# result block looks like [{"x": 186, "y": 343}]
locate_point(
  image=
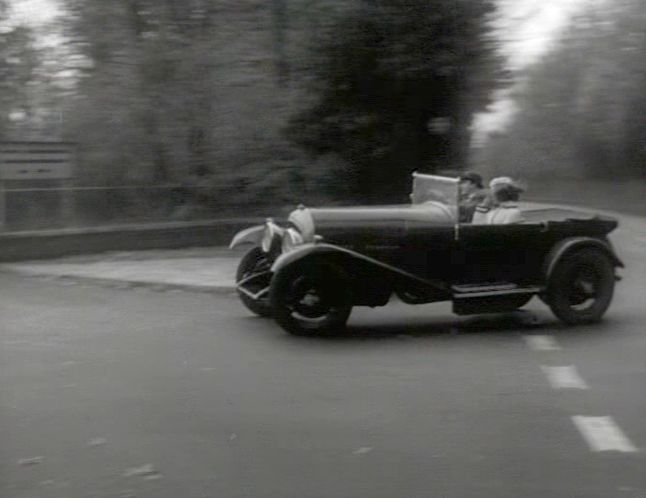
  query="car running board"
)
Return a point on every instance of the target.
[{"x": 489, "y": 290}]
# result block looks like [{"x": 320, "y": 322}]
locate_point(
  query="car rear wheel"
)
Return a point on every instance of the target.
[
  {"x": 311, "y": 299},
  {"x": 581, "y": 287},
  {"x": 255, "y": 263}
]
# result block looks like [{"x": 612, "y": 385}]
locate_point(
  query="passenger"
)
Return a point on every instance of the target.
[
  {"x": 482, "y": 210},
  {"x": 505, "y": 193},
  {"x": 471, "y": 195}
]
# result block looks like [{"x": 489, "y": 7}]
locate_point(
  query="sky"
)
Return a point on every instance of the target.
[
  {"x": 528, "y": 27},
  {"x": 35, "y": 12}
]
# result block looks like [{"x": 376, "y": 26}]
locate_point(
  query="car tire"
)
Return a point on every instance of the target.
[
  {"x": 254, "y": 261},
  {"x": 311, "y": 298},
  {"x": 581, "y": 287}
]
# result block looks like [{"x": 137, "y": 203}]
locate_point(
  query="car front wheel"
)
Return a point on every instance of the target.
[
  {"x": 581, "y": 287},
  {"x": 311, "y": 298}
]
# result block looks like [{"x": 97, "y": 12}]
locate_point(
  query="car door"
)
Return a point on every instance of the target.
[
  {"x": 427, "y": 249},
  {"x": 499, "y": 253}
]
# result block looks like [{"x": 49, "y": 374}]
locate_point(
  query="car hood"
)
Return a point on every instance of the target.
[
  {"x": 344, "y": 225},
  {"x": 432, "y": 212}
]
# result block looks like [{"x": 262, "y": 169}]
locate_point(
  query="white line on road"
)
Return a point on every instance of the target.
[
  {"x": 602, "y": 434},
  {"x": 542, "y": 342},
  {"x": 564, "y": 377}
]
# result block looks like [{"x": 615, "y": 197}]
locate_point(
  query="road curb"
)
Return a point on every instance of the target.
[{"x": 221, "y": 289}]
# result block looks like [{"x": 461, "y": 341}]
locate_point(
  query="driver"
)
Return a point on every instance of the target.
[{"x": 472, "y": 194}]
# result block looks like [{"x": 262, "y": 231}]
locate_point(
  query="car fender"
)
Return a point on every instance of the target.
[
  {"x": 252, "y": 235},
  {"x": 570, "y": 244},
  {"x": 314, "y": 249}
]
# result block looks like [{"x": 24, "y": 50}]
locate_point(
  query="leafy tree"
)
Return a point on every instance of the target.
[
  {"x": 141, "y": 102},
  {"x": 178, "y": 90},
  {"x": 17, "y": 63},
  {"x": 200, "y": 92},
  {"x": 397, "y": 83}
]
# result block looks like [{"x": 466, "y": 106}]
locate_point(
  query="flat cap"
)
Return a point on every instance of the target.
[{"x": 472, "y": 177}]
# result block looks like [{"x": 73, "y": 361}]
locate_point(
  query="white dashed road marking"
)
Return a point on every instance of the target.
[
  {"x": 542, "y": 342},
  {"x": 602, "y": 434},
  {"x": 564, "y": 377}
]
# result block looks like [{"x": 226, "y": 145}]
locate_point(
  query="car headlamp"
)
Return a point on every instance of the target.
[{"x": 291, "y": 239}]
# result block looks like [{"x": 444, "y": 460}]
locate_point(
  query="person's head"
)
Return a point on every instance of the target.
[
  {"x": 507, "y": 193},
  {"x": 505, "y": 189},
  {"x": 470, "y": 182}
]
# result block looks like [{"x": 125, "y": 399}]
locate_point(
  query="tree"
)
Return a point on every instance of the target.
[
  {"x": 582, "y": 110},
  {"x": 143, "y": 104},
  {"x": 397, "y": 85},
  {"x": 180, "y": 90},
  {"x": 17, "y": 64},
  {"x": 203, "y": 90}
]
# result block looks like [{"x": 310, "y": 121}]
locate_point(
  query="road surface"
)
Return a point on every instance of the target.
[{"x": 137, "y": 392}]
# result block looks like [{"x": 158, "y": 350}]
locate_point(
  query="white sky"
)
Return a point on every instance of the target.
[
  {"x": 528, "y": 27},
  {"x": 34, "y": 11}
]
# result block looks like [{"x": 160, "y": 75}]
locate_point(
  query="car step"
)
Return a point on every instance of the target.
[{"x": 466, "y": 291}]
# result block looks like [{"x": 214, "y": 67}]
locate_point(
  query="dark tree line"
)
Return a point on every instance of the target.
[
  {"x": 267, "y": 98},
  {"x": 396, "y": 88},
  {"x": 264, "y": 102},
  {"x": 272, "y": 102}
]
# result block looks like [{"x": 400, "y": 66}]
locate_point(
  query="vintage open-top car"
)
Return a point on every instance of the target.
[{"x": 309, "y": 272}]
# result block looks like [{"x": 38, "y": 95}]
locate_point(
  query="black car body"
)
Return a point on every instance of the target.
[{"x": 309, "y": 272}]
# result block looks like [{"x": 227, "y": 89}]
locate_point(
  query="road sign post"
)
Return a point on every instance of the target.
[
  {"x": 30, "y": 162},
  {"x": 67, "y": 202},
  {"x": 2, "y": 206}
]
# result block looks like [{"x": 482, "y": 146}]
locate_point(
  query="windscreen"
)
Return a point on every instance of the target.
[{"x": 440, "y": 189}]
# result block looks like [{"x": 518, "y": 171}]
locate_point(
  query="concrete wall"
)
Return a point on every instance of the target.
[{"x": 42, "y": 244}]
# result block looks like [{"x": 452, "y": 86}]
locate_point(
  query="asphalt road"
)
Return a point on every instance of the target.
[{"x": 118, "y": 392}]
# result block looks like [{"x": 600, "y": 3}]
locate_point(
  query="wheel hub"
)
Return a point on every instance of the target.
[
  {"x": 308, "y": 300},
  {"x": 584, "y": 290}
]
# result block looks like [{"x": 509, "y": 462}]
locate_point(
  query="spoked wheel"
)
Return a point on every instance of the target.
[
  {"x": 581, "y": 287},
  {"x": 311, "y": 299},
  {"x": 254, "y": 268}
]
